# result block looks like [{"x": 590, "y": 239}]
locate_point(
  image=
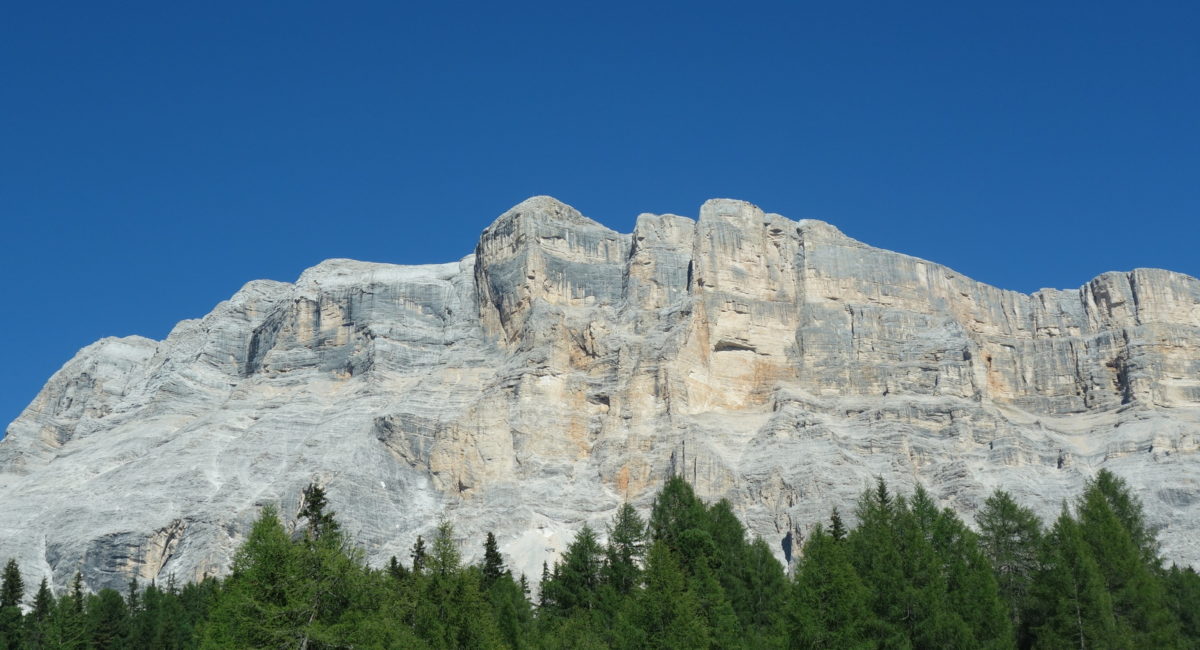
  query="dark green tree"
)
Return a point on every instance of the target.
[
  {"x": 625, "y": 551},
  {"x": 315, "y": 510},
  {"x": 1130, "y": 572},
  {"x": 667, "y": 612},
  {"x": 676, "y": 509},
  {"x": 37, "y": 621},
  {"x": 493, "y": 563},
  {"x": 1183, "y": 597},
  {"x": 575, "y": 583},
  {"x": 831, "y": 608},
  {"x": 837, "y": 529},
  {"x": 1069, "y": 606},
  {"x": 418, "y": 555},
  {"x": 108, "y": 620},
  {"x": 12, "y": 589},
  {"x": 1010, "y": 536}
]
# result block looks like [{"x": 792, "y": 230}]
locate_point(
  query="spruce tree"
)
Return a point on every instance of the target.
[
  {"x": 1069, "y": 605},
  {"x": 675, "y": 510},
  {"x": 1129, "y": 573},
  {"x": 830, "y": 605},
  {"x": 1010, "y": 536},
  {"x": 418, "y": 555},
  {"x": 667, "y": 612},
  {"x": 12, "y": 589},
  {"x": 1183, "y": 597},
  {"x": 577, "y": 577},
  {"x": 493, "y": 564},
  {"x": 625, "y": 551},
  {"x": 108, "y": 620},
  {"x": 315, "y": 512},
  {"x": 837, "y": 529},
  {"x": 12, "y": 586},
  {"x": 37, "y": 621}
]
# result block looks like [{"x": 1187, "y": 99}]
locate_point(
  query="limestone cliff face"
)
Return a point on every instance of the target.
[{"x": 564, "y": 367}]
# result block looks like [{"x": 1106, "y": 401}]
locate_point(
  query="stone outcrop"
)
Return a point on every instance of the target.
[{"x": 564, "y": 367}]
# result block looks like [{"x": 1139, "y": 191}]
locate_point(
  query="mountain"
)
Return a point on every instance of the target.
[{"x": 564, "y": 367}]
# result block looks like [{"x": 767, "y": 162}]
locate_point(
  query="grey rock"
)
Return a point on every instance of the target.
[{"x": 564, "y": 368}]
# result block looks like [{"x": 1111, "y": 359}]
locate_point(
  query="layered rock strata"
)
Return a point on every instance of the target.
[{"x": 564, "y": 367}]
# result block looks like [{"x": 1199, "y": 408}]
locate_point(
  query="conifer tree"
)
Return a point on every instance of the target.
[
  {"x": 108, "y": 620},
  {"x": 1069, "y": 605},
  {"x": 12, "y": 589},
  {"x": 830, "y": 606},
  {"x": 1138, "y": 595},
  {"x": 1183, "y": 597},
  {"x": 625, "y": 551},
  {"x": 837, "y": 529},
  {"x": 12, "y": 586},
  {"x": 444, "y": 557},
  {"x": 576, "y": 582},
  {"x": 418, "y": 555},
  {"x": 493, "y": 564},
  {"x": 1010, "y": 536},
  {"x": 37, "y": 621},
  {"x": 667, "y": 612},
  {"x": 315, "y": 512},
  {"x": 675, "y": 510},
  {"x": 396, "y": 569}
]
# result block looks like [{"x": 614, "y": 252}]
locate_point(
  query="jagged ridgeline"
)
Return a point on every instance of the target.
[
  {"x": 908, "y": 575},
  {"x": 565, "y": 368}
]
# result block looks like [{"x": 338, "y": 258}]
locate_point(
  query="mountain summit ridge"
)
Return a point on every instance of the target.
[{"x": 563, "y": 367}]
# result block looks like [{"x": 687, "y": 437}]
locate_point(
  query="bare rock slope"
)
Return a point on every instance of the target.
[{"x": 564, "y": 367}]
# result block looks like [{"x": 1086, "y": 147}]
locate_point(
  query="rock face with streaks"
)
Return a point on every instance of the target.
[{"x": 564, "y": 367}]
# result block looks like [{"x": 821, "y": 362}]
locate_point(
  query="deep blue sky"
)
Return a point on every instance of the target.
[{"x": 156, "y": 157}]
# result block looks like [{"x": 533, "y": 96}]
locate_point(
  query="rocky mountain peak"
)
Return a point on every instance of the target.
[{"x": 563, "y": 368}]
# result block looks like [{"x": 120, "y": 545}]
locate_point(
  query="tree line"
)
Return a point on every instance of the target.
[{"x": 907, "y": 575}]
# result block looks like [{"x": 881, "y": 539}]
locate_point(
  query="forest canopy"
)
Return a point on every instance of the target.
[{"x": 907, "y": 575}]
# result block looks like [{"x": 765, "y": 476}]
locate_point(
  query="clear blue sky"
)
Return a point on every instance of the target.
[{"x": 157, "y": 156}]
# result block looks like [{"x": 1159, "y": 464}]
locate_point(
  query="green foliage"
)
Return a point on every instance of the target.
[
  {"x": 1070, "y": 604},
  {"x": 626, "y": 550},
  {"x": 493, "y": 564},
  {"x": 668, "y": 614},
  {"x": 575, "y": 582},
  {"x": 1010, "y": 536},
  {"x": 831, "y": 607},
  {"x": 909, "y": 575},
  {"x": 12, "y": 588},
  {"x": 108, "y": 620}
]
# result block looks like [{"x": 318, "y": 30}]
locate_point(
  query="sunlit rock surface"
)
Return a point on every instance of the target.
[{"x": 564, "y": 367}]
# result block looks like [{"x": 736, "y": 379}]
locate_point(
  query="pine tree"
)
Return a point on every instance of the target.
[
  {"x": 1010, "y": 536},
  {"x": 108, "y": 620},
  {"x": 418, "y": 555},
  {"x": 493, "y": 564},
  {"x": 444, "y": 558},
  {"x": 577, "y": 577},
  {"x": 667, "y": 611},
  {"x": 875, "y": 551},
  {"x": 314, "y": 511},
  {"x": 625, "y": 551},
  {"x": 676, "y": 509},
  {"x": 12, "y": 589},
  {"x": 837, "y": 529},
  {"x": 1183, "y": 597},
  {"x": 1069, "y": 604},
  {"x": 1138, "y": 594},
  {"x": 973, "y": 594},
  {"x": 1128, "y": 510},
  {"x": 37, "y": 621},
  {"x": 830, "y": 606},
  {"x": 396, "y": 569}
]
